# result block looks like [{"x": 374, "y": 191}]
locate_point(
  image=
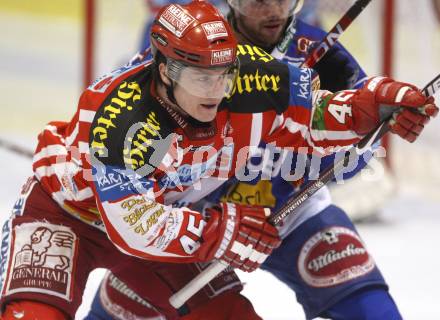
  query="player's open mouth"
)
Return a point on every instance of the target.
[
  {"x": 209, "y": 106},
  {"x": 273, "y": 25}
]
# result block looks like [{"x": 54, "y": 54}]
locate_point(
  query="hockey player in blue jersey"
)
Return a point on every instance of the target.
[
  {"x": 365, "y": 295},
  {"x": 322, "y": 257}
]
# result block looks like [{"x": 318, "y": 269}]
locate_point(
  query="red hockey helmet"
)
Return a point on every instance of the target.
[{"x": 195, "y": 34}]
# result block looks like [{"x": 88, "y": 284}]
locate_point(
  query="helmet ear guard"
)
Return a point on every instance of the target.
[{"x": 163, "y": 42}]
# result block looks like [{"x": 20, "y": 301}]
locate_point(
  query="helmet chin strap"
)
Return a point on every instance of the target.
[
  {"x": 193, "y": 128},
  {"x": 170, "y": 93},
  {"x": 172, "y": 98}
]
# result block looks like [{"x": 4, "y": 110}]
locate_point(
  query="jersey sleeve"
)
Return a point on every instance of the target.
[
  {"x": 139, "y": 223},
  {"x": 316, "y": 120},
  {"x": 131, "y": 148}
]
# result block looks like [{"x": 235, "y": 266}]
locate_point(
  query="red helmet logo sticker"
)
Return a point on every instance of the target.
[
  {"x": 333, "y": 256},
  {"x": 214, "y": 30},
  {"x": 221, "y": 56},
  {"x": 176, "y": 19}
]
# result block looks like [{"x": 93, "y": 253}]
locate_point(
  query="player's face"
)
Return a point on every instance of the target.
[
  {"x": 199, "y": 91},
  {"x": 263, "y": 22},
  {"x": 202, "y": 109}
]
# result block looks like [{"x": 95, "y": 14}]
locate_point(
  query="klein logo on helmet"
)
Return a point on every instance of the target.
[
  {"x": 214, "y": 30},
  {"x": 176, "y": 20},
  {"x": 333, "y": 256},
  {"x": 221, "y": 56}
]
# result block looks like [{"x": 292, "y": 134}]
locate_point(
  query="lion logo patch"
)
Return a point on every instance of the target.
[{"x": 43, "y": 259}]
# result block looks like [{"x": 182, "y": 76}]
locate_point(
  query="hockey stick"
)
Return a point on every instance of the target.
[
  {"x": 364, "y": 144},
  {"x": 333, "y": 35},
  {"x": 180, "y": 297},
  {"x": 327, "y": 42},
  {"x": 16, "y": 149},
  {"x": 279, "y": 51}
]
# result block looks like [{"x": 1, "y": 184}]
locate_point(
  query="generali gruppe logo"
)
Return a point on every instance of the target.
[{"x": 42, "y": 260}]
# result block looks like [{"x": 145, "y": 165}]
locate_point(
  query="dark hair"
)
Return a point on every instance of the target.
[{"x": 157, "y": 60}]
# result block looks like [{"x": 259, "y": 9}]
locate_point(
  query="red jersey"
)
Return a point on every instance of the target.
[{"x": 129, "y": 161}]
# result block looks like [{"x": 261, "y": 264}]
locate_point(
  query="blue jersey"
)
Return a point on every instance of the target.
[
  {"x": 306, "y": 35},
  {"x": 269, "y": 189},
  {"x": 275, "y": 192},
  {"x": 316, "y": 287}
]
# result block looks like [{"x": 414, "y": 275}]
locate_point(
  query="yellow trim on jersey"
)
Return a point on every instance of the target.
[{"x": 259, "y": 194}]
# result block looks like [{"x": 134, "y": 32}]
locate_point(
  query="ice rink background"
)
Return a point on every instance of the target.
[{"x": 40, "y": 80}]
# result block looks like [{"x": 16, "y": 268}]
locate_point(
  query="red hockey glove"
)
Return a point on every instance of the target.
[
  {"x": 239, "y": 235},
  {"x": 380, "y": 97}
]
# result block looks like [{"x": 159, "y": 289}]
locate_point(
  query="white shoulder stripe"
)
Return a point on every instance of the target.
[
  {"x": 86, "y": 115},
  {"x": 73, "y": 135},
  {"x": 54, "y": 130},
  {"x": 320, "y": 135},
  {"x": 256, "y": 129},
  {"x": 59, "y": 169},
  {"x": 50, "y": 151}
]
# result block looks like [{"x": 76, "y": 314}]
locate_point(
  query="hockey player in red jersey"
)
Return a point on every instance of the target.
[
  {"x": 361, "y": 295},
  {"x": 114, "y": 187}
]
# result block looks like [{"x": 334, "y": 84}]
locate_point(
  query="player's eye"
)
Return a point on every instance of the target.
[{"x": 203, "y": 79}]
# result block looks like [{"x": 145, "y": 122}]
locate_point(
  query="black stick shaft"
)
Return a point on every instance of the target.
[
  {"x": 333, "y": 35},
  {"x": 16, "y": 149}
]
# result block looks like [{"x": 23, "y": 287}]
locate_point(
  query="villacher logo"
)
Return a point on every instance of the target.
[{"x": 332, "y": 256}]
